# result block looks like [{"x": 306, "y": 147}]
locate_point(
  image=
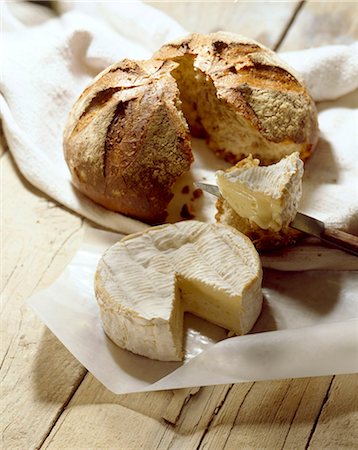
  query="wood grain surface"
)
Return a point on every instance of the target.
[{"x": 48, "y": 400}]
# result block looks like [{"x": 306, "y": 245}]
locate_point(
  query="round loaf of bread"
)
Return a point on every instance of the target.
[{"x": 127, "y": 139}]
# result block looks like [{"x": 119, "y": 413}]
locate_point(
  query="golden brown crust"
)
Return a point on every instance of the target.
[
  {"x": 263, "y": 240},
  {"x": 126, "y": 143},
  {"x": 254, "y": 81}
]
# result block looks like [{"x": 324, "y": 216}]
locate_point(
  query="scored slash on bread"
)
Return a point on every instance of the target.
[{"x": 127, "y": 140}]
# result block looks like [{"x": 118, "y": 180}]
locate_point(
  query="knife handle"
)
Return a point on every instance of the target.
[{"x": 341, "y": 239}]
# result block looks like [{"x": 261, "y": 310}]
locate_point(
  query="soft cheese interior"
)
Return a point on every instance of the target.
[
  {"x": 146, "y": 282},
  {"x": 266, "y": 195}
]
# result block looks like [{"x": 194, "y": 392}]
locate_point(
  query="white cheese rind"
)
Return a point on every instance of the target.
[
  {"x": 145, "y": 282},
  {"x": 266, "y": 195}
]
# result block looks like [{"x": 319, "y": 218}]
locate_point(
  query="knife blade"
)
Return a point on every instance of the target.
[
  {"x": 309, "y": 225},
  {"x": 210, "y": 188}
]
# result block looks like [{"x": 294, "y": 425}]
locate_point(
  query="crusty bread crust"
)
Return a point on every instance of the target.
[
  {"x": 269, "y": 99},
  {"x": 263, "y": 240},
  {"x": 127, "y": 140}
]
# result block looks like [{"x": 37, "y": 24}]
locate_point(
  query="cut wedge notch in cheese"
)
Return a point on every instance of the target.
[
  {"x": 146, "y": 282},
  {"x": 266, "y": 195}
]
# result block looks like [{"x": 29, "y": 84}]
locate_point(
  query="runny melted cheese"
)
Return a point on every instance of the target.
[
  {"x": 146, "y": 282},
  {"x": 266, "y": 195}
]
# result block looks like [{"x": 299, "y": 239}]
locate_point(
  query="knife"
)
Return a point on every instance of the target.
[{"x": 340, "y": 239}]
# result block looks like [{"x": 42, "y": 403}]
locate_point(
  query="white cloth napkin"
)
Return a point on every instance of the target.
[
  {"x": 49, "y": 60},
  {"x": 329, "y": 72}
]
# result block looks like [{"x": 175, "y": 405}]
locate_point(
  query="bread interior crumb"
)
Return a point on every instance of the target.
[{"x": 226, "y": 128}]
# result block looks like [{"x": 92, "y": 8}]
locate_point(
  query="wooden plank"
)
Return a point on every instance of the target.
[
  {"x": 179, "y": 400},
  {"x": 323, "y": 23},
  {"x": 38, "y": 374},
  {"x": 95, "y": 418},
  {"x": 307, "y": 412},
  {"x": 278, "y": 414},
  {"x": 337, "y": 426},
  {"x": 263, "y": 22},
  {"x": 194, "y": 420}
]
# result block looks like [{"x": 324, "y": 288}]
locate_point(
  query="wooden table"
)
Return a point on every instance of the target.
[{"x": 50, "y": 401}]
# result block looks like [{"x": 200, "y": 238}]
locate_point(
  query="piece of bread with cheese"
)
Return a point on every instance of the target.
[
  {"x": 262, "y": 201},
  {"x": 127, "y": 139},
  {"x": 146, "y": 282}
]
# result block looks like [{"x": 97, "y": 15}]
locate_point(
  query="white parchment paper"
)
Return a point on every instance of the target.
[{"x": 301, "y": 332}]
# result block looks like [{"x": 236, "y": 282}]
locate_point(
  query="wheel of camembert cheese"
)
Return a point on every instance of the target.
[{"x": 145, "y": 283}]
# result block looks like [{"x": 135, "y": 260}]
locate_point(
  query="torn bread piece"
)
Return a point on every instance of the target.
[{"x": 146, "y": 282}]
